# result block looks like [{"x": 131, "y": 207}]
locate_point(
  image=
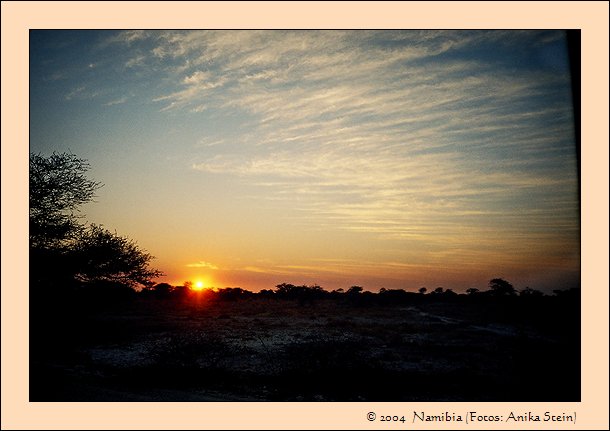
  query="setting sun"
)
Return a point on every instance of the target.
[
  {"x": 416, "y": 176},
  {"x": 269, "y": 216}
]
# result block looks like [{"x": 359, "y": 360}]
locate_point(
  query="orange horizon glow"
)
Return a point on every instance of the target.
[
  {"x": 343, "y": 273},
  {"x": 198, "y": 285},
  {"x": 404, "y": 170}
]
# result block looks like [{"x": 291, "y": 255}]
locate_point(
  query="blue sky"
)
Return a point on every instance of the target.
[{"x": 394, "y": 159}]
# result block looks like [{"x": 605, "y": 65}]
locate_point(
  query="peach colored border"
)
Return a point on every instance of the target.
[{"x": 18, "y": 17}]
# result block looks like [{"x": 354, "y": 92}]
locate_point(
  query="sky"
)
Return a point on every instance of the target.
[{"x": 396, "y": 159}]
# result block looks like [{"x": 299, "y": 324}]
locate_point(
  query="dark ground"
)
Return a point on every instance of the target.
[{"x": 331, "y": 349}]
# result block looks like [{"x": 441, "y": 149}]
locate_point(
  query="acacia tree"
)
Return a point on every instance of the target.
[
  {"x": 58, "y": 186},
  {"x": 63, "y": 250},
  {"x": 501, "y": 287},
  {"x": 103, "y": 256}
]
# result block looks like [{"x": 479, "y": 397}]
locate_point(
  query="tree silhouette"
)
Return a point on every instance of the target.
[
  {"x": 302, "y": 293},
  {"x": 354, "y": 290},
  {"x": 64, "y": 252},
  {"x": 337, "y": 292},
  {"x": 266, "y": 293},
  {"x": 104, "y": 256},
  {"x": 285, "y": 289},
  {"x": 160, "y": 290},
  {"x": 501, "y": 287},
  {"x": 58, "y": 186}
]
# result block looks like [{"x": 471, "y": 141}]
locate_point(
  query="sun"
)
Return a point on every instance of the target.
[{"x": 198, "y": 285}]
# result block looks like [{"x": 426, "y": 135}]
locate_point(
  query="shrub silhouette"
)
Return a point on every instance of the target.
[
  {"x": 268, "y": 293},
  {"x": 233, "y": 293},
  {"x": 529, "y": 292}
]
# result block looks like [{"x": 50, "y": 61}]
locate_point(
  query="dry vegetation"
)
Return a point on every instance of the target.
[{"x": 332, "y": 349}]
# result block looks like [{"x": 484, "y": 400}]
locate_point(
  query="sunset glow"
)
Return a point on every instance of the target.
[{"x": 395, "y": 159}]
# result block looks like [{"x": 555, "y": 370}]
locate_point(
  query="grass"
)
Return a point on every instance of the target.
[{"x": 266, "y": 349}]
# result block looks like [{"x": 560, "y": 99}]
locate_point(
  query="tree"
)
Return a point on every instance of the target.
[
  {"x": 160, "y": 290},
  {"x": 501, "y": 287},
  {"x": 422, "y": 290},
  {"x": 472, "y": 291},
  {"x": 302, "y": 293},
  {"x": 354, "y": 290},
  {"x": 58, "y": 186},
  {"x": 65, "y": 252},
  {"x": 103, "y": 256},
  {"x": 285, "y": 289}
]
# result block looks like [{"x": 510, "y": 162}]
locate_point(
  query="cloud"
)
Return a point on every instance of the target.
[
  {"x": 206, "y": 142},
  {"x": 412, "y": 135},
  {"x": 197, "y": 87},
  {"x": 197, "y": 77},
  {"x": 136, "y": 61},
  {"x": 199, "y": 108},
  {"x": 127, "y": 37},
  {"x": 202, "y": 264},
  {"x": 260, "y": 270},
  {"x": 82, "y": 92},
  {"x": 55, "y": 76},
  {"x": 116, "y": 101}
]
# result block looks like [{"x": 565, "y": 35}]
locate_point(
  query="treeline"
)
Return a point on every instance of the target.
[
  {"x": 497, "y": 288},
  {"x": 71, "y": 259}
]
